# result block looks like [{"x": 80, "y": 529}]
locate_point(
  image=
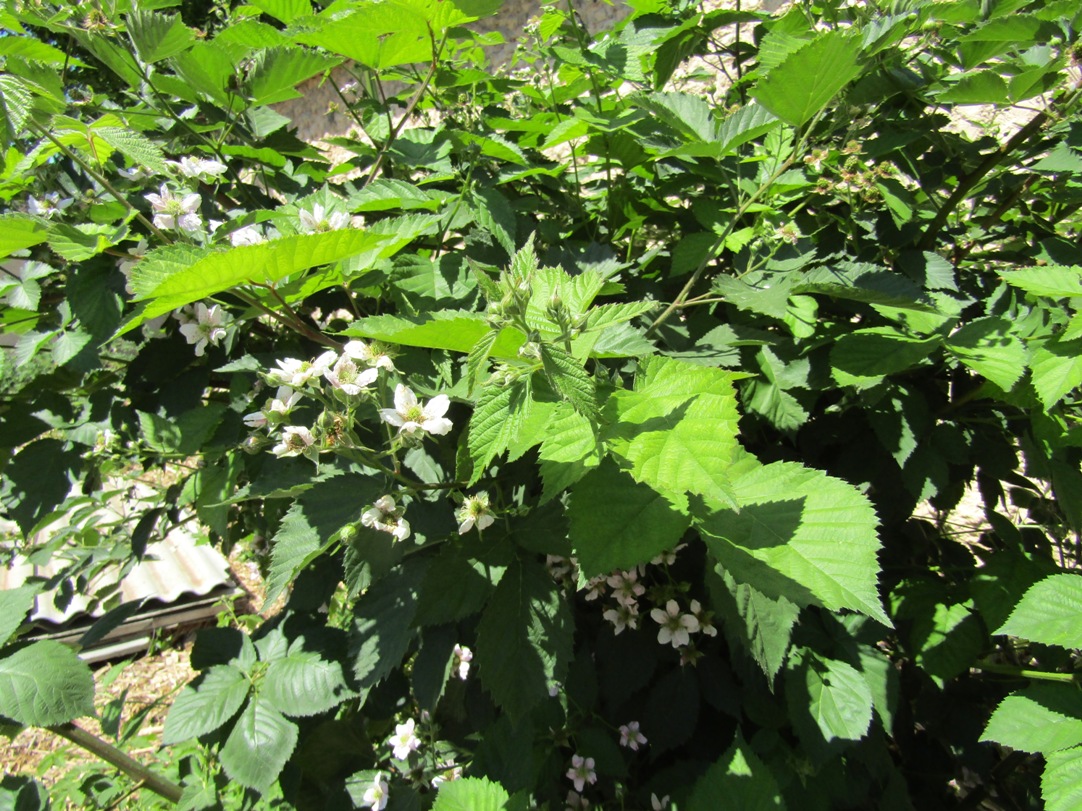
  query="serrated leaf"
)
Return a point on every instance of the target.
[
  {"x": 497, "y": 417},
  {"x": 135, "y": 146},
  {"x": 303, "y": 683},
  {"x": 977, "y": 87},
  {"x": 158, "y": 36},
  {"x": 800, "y": 534},
  {"x": 762, "y": 624},
  {"x": 1042, "y": 718},
  {"x": 456, "y": 330},
  {"x": 15, "y": 101},
  {"x": 477, "y": 360},
  {"x": 386, "y": 194},
  {"x": 495, "y": 214},
  {"x": 742, "y": 779},
  {"x": 39, "y": 478},
  {"x": 570, "y": 380},
  {"x": 618, "y": 523},
  {"x": 989, "y": 347},
  {"x": 454, "y": 587},
  {"x": 204, "y": 706},
  {"x": 604, "y": 316},
  {"x": 470, "y": 794},
  {"x": 18, "y": 232},
  {"x": 871, "y": 284},
  {"x": 45, "y": 683},
  {"x": 1053, "y": 281},
  {"x": 677, "y": 429},
  {"x": 1050, "y": 612},
  {"x": 284, "y": 10},
  {"x": 383, "y": 624},
  {"x": 840, "y": 701},
  {"x": 862, "y": 357},
  {"x": 1061, "y": 781},
  {"x": 277, "y": 71},
  {"x": 15, "y": 604},
  {"x": 570, "y": 437},
  {"x": 1057, "y": 370},
  {"x": 259, "y": 745},
  {"x": 171, "y": 283},
  {"x": 810, "y": 77},
  {"x": 524, "y": 638},
  {"x": 311, "y": 525}
]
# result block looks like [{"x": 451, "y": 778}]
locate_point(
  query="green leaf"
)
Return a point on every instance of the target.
[
  {"x": 34, "y": 50},
  {"x": 386, "y": 194},
  {"x": 618, "y": 523},
  {"x": 312, "y": 525},
  {"x": 840, "y": 701},
  {"x": 1061, "y": 781},
  {"x": 495, "y": 214},
  {"x": 40, "y": 478},
  {"x": 800, "y": 534},
  {"x": 496, "y": 420},
  {"x": 570, "y": 380},
  {"x": 864, "y": 356},
  {"x": 15, "y": 101},
  {"x": 1054, "y": 281},
  {"x": 762, "y": 624},
  {"x": 989, "y": 347},
  {"x": 136, "y": 147},
  {"x": 303, "y": 683},
  {"x": 456, "y": 330},
  {"x": 169, "y": 282},
  {"x": 206, "y": 704},
  {"x": 454, "y": 588},
  {"x": 677, "y": 429},
  {"x": 524, "y": 638},
  {"x": 470, "y": 794},
  {"x": 687, "y": 114},
  {"x": 277, "y": 72},
  {"x": 1057, "y": 370},
  {"x": 806, "y": 81},
  {"x": 15, "y": 604},
  {"x": 742, "y": 779},
  {"x": 284, "y": 10},
  {"x": 158, "y": 36},
  {"x": 18, "y": 231},
  {"x": 383, "y": 624},
  {"x": 1050, "y": 612},
  {"x": 259, "y": 745},
  {"x": 863, "y": 282},
  {"x": 185, "y": 434},
  {"x": 1042, "y": 718},
  {"x": 45, "y": 683},
  {"x": 977, "y": 87},
  {"x": 477, "y": 362}
]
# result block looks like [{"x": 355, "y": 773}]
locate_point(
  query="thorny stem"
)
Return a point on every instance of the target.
[
  {"x": 105, "y": 184},
  {"x": 437, "y": 51},
  {"x": 110, "y": 754},
  {"x": 1024, "y": 673}
]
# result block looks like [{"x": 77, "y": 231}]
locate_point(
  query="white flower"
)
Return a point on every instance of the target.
[
  {"x": 134, "y": 173},
  {"x": 705, "y": 619},
  {"x": 463, "y": 657},
  {"x": 455, "y": 773},
  {"x": 404, "y": 740},
  {"x": 285, "y": 400},
  {"x": 630, "y": 736},
  {"x": 668, "y": 558},
  {"x": 125, "y": 265},
  {"x": 349, "y": 378},
  {"x": 576, "y": 802},
  {"x": 257, "y": 419},
  {"x": 595, "y": 587},
  {"x": 172, "y": 212},
  {"x": 625, "y": 586},
  {"x": 197, "y": 167},
  {"x": 474, "y": 512},
  {"x": 370, "y": 354},
  {"x": 412, "y": 418},
  {"x": 154, "y": 328},
  {"x": 48, "y": 205},
  {"x": 675, "y": 627},
  {"x": 296, "y": 439},
  {"x": 657, "y": 804},
  {"x": 386, "y": 516},
  {"x": 207, "y": 327},
  {"x": 317, "y": 220},
  {"x": 248, "y": 235},
  {"x": 623, "y": 616},
  {"x": 581, "y": 772},
  {"x": 375, "y": 796},
  {"x": 296, "y": 373}
]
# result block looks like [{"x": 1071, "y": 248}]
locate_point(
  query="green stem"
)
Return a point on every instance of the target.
[
  {"x": 1024, "y": 673},
  {"x": 292, "y": 321},
  {"x": 110, "y": 754}
]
